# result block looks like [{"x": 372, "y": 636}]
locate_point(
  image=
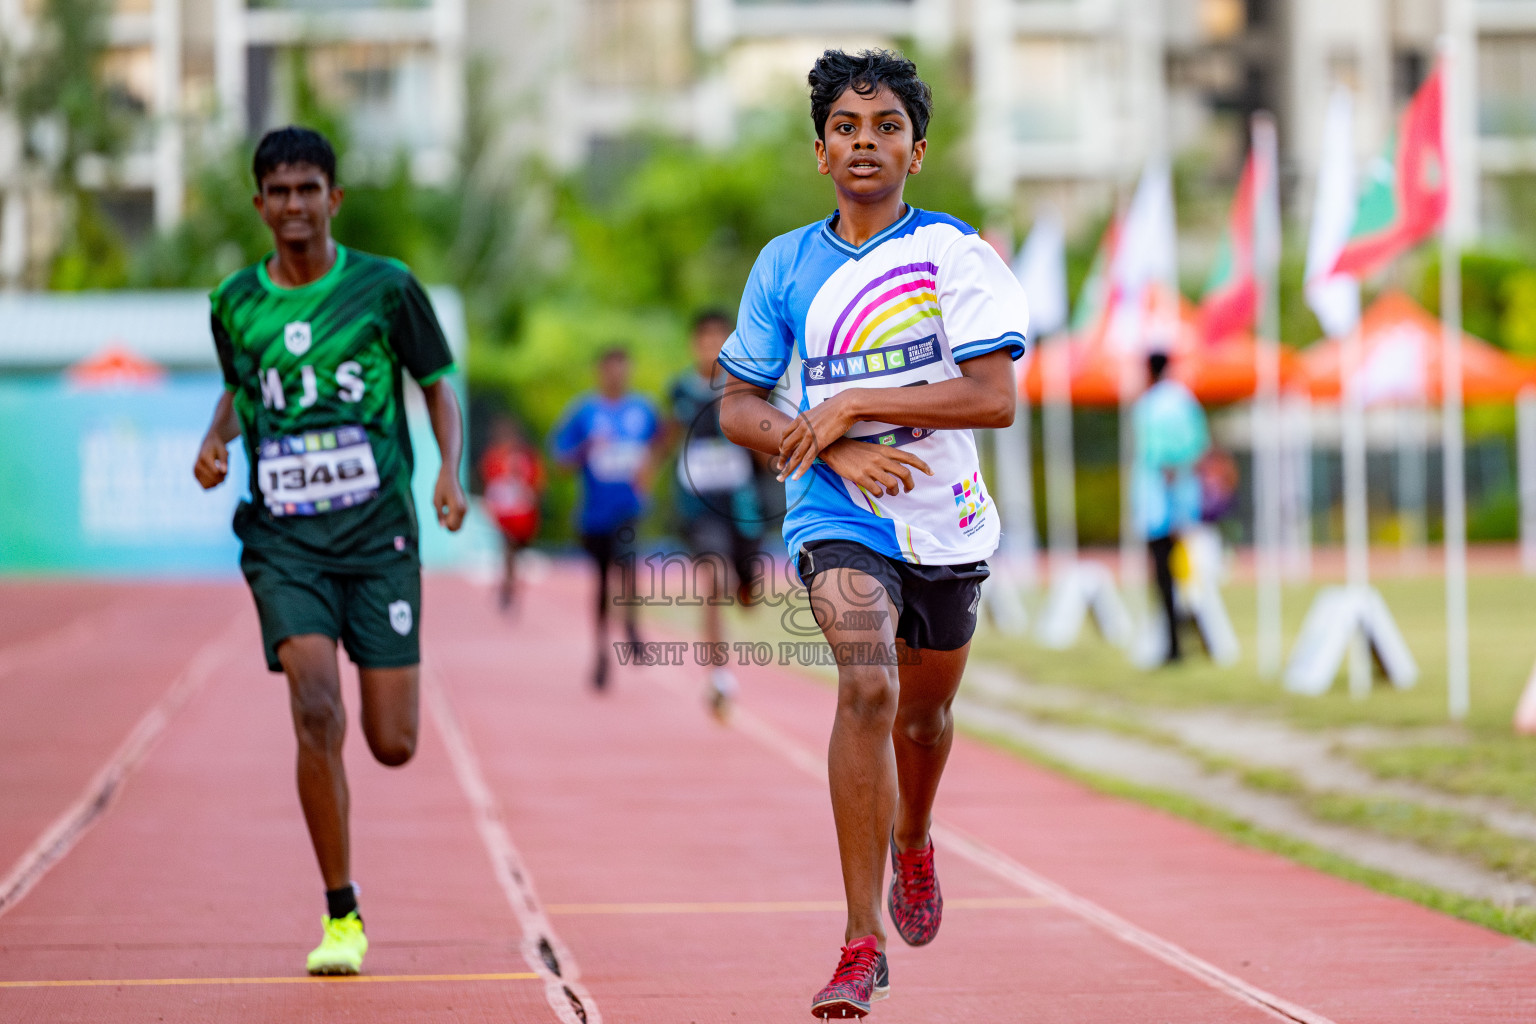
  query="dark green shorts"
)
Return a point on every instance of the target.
[{"x": 374, "y": 610}]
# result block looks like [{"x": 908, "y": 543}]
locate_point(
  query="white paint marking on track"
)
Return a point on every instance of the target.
[
  {"x": 541, "y": 948},
  {"x": 76, "y": 820},
  {"x": 1009, "y": 870}
]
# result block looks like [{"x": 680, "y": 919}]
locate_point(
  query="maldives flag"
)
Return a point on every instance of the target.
[
  {"x": 1231, "y": 298},
  {"x": 1406, "y": 190}
]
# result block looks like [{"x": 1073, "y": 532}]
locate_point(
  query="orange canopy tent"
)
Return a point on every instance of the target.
[
  {"x": 1400, "y": 348},
  {"x": 1218, "y": 373},
  {"x": 114, "y": 364}
]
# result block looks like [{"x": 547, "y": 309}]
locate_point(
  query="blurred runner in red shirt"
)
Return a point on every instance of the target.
[{"x": 513, "y": 477}]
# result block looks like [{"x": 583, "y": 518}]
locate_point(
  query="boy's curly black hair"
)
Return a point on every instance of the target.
[
  {"x": 837, "y": 71},
  {"x": 294, "y": 145}
]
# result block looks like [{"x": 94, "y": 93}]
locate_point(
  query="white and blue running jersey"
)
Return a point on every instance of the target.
[{"x": 905, "y": 308}]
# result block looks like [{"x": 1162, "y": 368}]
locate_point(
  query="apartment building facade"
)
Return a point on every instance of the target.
[{"x": 1070, "y": 97}]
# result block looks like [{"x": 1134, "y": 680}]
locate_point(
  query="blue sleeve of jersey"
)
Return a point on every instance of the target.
[
  {"x": 758, "y": 351},
  {"x": 575, "y": 425}
]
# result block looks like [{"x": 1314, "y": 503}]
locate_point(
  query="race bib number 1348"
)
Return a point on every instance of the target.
[{"x": 320, "y": 471}]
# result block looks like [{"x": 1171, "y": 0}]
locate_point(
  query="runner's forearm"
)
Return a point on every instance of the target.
[
  {"x": 447, "y": 423},
  {"x": 750, "y": 420},
  {"x": 982, "y": 398},
  {"x": 226, "y": 424}
]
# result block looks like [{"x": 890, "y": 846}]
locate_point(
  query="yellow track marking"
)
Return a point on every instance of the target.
[
  {"x": 783, "y": 907},
  {"x": 356, "y": 979}
]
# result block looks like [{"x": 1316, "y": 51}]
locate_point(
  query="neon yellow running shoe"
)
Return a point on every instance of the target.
[{"x": 342, "y": 949}]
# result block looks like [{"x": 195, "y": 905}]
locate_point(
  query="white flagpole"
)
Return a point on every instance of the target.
[
  {"x": 1015, "y": 488},
  {"x": 1457, "y": 669},
  {"x": 1525, "y": 462},
  {"x": 1041, "y": 267},
  {"x": 1060, "y": 474},
  {"x": 1336, "y": 301},
  {"x": 1133, "y": 576},
  {"x": 1357, "y": 551},
  {"x": 1266, "y": 254}
]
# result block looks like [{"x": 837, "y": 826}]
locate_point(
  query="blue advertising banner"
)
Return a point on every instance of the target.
[{"x": 99, "y": 480}]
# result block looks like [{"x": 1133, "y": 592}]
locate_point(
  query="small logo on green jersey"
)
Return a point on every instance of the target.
[{"x": 297, "y": 337}]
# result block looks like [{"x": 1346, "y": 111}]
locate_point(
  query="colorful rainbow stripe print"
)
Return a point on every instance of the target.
[{"x": 902, "y": 297}]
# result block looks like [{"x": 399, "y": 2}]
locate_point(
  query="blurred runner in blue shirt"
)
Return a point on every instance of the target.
[
  {"x": 1171, "y": 436},
  {"x": 611, "y": 437}
]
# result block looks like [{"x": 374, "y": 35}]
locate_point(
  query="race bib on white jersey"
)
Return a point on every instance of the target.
[
  {"x": 321, "y": 471},
  {"x": 713, "y": 464}
]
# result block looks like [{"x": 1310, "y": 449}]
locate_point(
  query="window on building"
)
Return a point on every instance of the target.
[
  {"x": 1344, "y": 70},
  {"x": 771, "y": 72},
  {"x": 128, "y": 73},
  {"x": 1048, "y": 81},
  {"x": 645, "y": 44},
  {"x": 1409, "y": 68},
  {"x": 1506, "y": 72},
  {"x": 1221, "y": 20},
  {"x": 387, "y": 92}
]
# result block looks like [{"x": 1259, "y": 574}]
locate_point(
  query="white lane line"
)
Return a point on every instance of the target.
[
  {"x": 76, "y": 820},
  {"x": 1009, "y": 870},
  {"x": 541, "y": 948}
]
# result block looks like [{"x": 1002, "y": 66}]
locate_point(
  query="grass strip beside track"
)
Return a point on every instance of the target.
[
  {"x": 356, "y": 979},
  {"x": 1519, "y": 922}
]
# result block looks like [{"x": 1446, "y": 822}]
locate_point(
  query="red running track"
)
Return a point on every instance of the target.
[{"x": 678, "y": 871}]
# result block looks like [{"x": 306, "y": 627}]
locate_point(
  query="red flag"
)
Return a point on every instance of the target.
[
  {"x": 1230, "y": 302},
  {"x": 1407, "y": 189}
]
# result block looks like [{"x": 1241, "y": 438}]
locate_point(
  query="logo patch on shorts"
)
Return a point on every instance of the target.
[
  {"x": 297, "y": 337},
  {"x": 400, "y": 617}
]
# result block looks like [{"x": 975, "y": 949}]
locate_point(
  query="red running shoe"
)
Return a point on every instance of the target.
[
  {"x": 915, "y": 903},
  {"x": 862, "y": 976}
]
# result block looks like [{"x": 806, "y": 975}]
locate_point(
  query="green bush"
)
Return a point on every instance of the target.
[
  {"x": 1498, "y": 297},
  {"x": 1495, "y": 518}
]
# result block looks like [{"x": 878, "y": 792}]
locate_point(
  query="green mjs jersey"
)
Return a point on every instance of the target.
[{"x": 317, "y": 377}]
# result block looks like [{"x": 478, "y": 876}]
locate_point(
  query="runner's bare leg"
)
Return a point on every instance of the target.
[
  {"x": 861, "y": 761},
  {"x": 320, "y": 724},
  {"x": 924, "y": 733},
  {"x": 391, "y": 712}
]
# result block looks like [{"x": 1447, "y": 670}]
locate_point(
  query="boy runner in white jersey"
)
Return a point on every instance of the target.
[{"x": 896, "y": 329}]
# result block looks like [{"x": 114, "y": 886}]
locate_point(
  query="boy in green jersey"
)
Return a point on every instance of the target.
[{"x": 314, "y": 342}]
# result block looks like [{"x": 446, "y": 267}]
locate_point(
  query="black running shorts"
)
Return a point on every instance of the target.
[
  {"x": 374, "y": 610},
  {"x": 713, "y": 534},
  {"x": 935, "y": 604}
]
